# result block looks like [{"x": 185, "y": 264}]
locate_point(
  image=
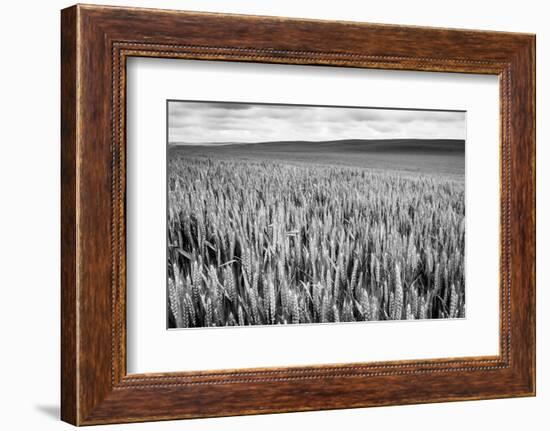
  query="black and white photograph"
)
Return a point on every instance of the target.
[{"x": 299, "y": 214}]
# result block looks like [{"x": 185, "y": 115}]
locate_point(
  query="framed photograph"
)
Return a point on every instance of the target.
[
  {"x": 355, "y": 214},
  {"x": 264, "y": 214}
]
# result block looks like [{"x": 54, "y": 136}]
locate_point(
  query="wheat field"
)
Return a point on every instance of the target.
[{"x": 267, "y": 242}]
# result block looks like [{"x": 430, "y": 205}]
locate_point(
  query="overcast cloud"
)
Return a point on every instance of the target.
[{"x": 207, "y": 122}]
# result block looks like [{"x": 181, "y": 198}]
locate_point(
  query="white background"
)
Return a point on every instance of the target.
[
  {"x": 151, "y": 348},
  {"x": 29, "y": 216}
]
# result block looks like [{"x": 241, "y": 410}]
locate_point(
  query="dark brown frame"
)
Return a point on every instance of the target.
[{"x": 95, "y": 43}]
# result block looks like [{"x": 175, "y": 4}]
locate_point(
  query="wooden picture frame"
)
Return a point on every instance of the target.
[{"x": 95, "y": 43}]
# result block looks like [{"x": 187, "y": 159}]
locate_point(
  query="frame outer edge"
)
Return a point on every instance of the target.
[
  {"x": 530, "y": 63},
  {"x": 533, "y": 53},
  {"x": 532, "y": 101},
  {"x": 69, "y": 197},
  {"x": 523, "y": 216}
]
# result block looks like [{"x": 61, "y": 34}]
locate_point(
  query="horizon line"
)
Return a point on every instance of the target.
[{"x": 225, "y": 143}]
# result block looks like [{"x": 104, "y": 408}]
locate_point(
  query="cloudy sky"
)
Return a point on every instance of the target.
[{"x": 211, "y": 122}]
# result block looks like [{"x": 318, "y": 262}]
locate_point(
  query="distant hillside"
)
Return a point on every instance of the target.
[{"x": 346, "y": 145}]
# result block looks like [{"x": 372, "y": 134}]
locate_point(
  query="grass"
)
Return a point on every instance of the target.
[{"x": 266, "y": 242}]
